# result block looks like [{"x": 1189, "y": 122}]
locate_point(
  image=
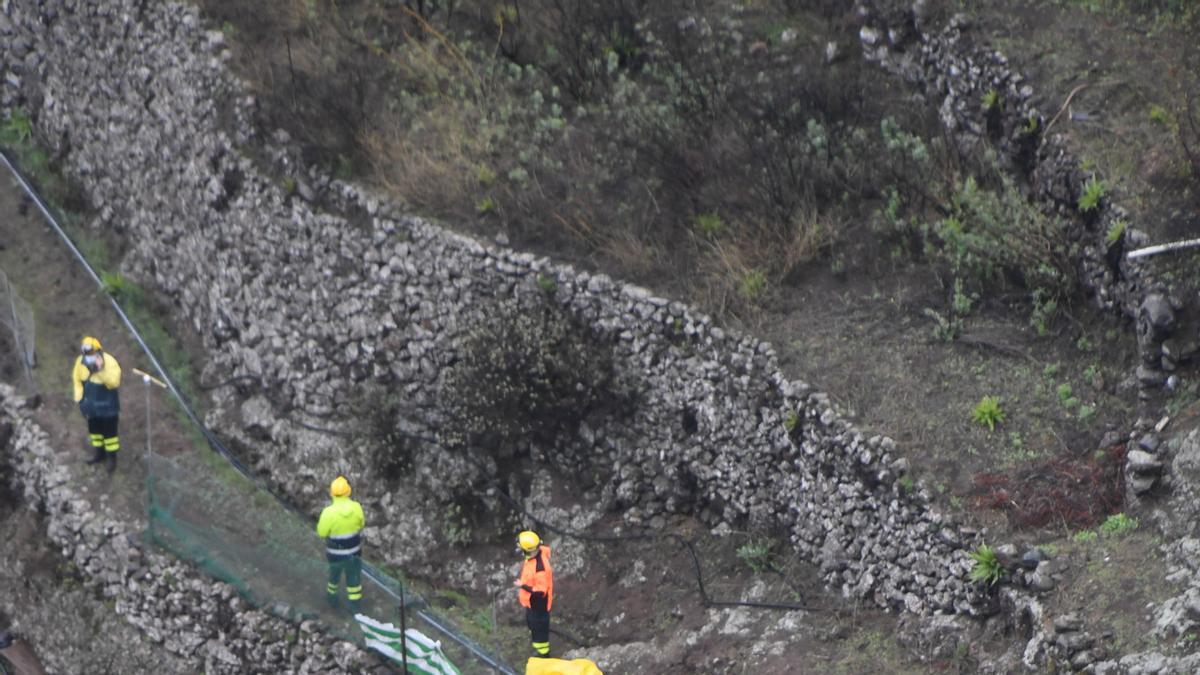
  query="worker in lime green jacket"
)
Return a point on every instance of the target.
[
  {"x": 97, "y": 377},
  {"x": 341, "y": 526}
]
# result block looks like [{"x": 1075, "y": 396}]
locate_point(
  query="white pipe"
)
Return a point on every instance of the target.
[{"x": 1162, "y": 248}]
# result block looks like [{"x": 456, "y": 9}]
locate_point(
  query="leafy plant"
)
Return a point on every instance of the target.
[
  {"x": 1065, "y": 393},
  {"x": 1015, "y": 440},
  {"x": 1115, "y": 231},
  {"x": 1159, "y": 115},
  {"x": 758, "y": 555},
  {"x": 991, "y": 99},
  {"x": 119, "y": 287},
  {"x": 987, "y": 568},
  {"x": 962, "y": 301},
  {"x": 752, "y": 285},
  {"x": 485, "y": 205},
  {"x": 547, "y": 284},
  {"x": 791, "y": 420},
  {"x": 944, "y": 329},
  {"x": 710, "y": 224},
  {"x": 456, "y": 527},
  {"x": 485, "y": 175},
  {"x": 1084, "y": 536},
  {"x": 17, "y": 129},
  {"x": 1118, "y": 524},
  {"x": 996, "y": 238},
  {"x": 988, "y": 412},
  {"x": 1050, "y": 370},
  {"x": 1031, "y": 124},
  {"x": 1093, "y": 191},
  {"x": 1086, "y": 414}
]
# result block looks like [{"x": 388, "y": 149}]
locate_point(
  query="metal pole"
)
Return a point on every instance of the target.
[
  {"x": 495, "y": 641},
  {"x": 403, "y": 633},
  {"x": 1162, "y": 248},
  {"x": 149, "y": 460}
]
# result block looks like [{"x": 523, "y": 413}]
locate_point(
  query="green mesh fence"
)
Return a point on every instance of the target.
[
  {"x": 205, "y": 508},
  {"x": 205, "y": 511}
]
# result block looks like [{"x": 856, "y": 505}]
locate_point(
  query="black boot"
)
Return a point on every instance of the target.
[
  {"x": 110, "y": 462},
  {"x": 97, "y": 455}
]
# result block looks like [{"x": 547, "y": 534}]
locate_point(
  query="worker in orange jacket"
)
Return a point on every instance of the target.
[{"x": 535, "y": 590}]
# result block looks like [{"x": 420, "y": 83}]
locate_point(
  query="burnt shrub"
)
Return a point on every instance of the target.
[
  {"x": 1074, "y": 492},
  {"x": 530, "y": 373},
  {"x": 378, "y": 415}
]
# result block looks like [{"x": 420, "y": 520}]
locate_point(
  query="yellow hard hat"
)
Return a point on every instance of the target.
[
  {"x": 528, "y": 541},
  {"x": 340, "y": 487},
  {"x": 89, "y": 345}
]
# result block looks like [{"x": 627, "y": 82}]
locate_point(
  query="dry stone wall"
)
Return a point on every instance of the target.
[
  {"x": 313, "y": 306},
  {"x": 201, "y": 624},
  {"x": 944, "y": 61}
]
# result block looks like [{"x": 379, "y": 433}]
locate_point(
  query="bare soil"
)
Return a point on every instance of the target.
[
  {"x": 610, "y": 604},
  {"x": 860, "y": 332}
]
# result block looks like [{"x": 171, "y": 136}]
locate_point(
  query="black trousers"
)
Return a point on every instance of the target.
[
  {"x": 538, "y": 621},
  {"x": 102, "y": 432}
]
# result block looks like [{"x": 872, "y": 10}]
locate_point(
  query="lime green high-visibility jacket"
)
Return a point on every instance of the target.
[{"x": 341, "y": 524}]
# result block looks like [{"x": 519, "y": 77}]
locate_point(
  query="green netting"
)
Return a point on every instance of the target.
[{"x": 202, "y": 509}]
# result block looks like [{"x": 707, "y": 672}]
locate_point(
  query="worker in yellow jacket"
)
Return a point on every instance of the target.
[
  {"x": 341, "y": 526},
  {"x": 97, "y": 379}
]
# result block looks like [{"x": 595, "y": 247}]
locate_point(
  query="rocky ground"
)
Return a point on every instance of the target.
[{"x": 1111, "y": 596}]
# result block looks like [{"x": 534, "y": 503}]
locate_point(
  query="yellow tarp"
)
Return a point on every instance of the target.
[{"x": 537, "y": 666}]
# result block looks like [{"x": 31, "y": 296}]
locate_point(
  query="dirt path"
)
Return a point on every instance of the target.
[
  {"x": 67, "y": 305},
  {"x": 640, "y": 594}
]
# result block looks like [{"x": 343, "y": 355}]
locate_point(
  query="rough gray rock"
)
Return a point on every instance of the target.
[
  {"x": 173, "y": 605},
  {"x": 138, "y": 99}
]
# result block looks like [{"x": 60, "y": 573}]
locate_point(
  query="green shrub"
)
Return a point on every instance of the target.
[
  {"x": 791, "y": 420},
  {"x": 995, "y": 238},
  {"x": 1065, "y": 393},
  {"x": 988, "y": 412},
  {"x": 991, "y": 99},
  {"x": 485, "y": 175},
  {"x": 1159, "y": 115},
  {"x": 1084, "y": 536},
  {"x": 456, "y": 527},
  {"x": 1118, "y": 524},
  {"x": 119, "y": 287},
  {"x": 547, "y": 284},
  {"x": 1086, "y": 414},
  {"x": 946, "y": 329},
  {"x": 1031, "y": 124},
  {"x": 987, "y": 568},
  {"x": 17, "y": 129},
  {"x": 485, "y": 205},
  {"x": 752, "y": 285},
  {"x": 1115, "y": 231},
  {"x": 758, "y": 555},
  {"x": 710, "y": 224},
  {"x": 1093, "y": 191}
]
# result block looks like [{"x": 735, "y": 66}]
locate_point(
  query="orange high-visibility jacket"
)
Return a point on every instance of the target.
[{"x": 537, "y": 577}]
